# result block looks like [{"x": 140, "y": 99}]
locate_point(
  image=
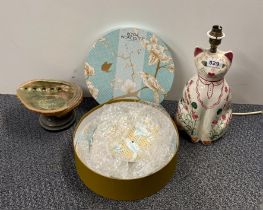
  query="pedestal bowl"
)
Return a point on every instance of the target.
[{"x": 54, "y": 100}]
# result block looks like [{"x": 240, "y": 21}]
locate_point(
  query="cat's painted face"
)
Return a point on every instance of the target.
[{"x": 211, "y": 66}]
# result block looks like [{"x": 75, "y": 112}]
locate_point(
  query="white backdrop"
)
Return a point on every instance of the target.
[{"x": 51, "y": 38}]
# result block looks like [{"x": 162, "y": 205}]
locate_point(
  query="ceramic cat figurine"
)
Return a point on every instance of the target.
[{"x": 204, "y": 111}]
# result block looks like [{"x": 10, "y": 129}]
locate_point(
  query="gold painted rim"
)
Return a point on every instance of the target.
[
  {"x": 124, "y": 189},
  {"x": 74, "y": 102}
]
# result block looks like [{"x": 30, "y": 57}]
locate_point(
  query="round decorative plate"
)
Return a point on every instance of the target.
[{"x": 130, "y": 63}]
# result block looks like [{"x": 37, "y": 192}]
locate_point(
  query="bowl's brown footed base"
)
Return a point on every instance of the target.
[{"x": 55, "y": 123}]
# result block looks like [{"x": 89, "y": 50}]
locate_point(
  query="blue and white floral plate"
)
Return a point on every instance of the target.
[{"x": 130, "y": 63}]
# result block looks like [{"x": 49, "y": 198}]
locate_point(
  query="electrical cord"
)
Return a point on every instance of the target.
[{"x": 247, "y": 113}]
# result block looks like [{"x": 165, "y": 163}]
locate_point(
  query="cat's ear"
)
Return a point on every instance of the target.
[
  {"x": 229, "y": 55},
  {"x": 198, "y": 50}
]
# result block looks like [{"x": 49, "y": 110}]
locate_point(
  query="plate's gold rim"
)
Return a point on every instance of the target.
[
  {"x": 115, "y": 101},
  {"x": 73, "y": 103}
]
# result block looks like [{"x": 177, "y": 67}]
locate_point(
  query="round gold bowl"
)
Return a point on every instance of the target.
[
  {"x": 122, "y": 189},
  {"x": 54, "y": 100}
]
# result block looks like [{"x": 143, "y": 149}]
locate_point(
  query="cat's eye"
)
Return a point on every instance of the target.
[
  {"x": 223, "y": 65},
  {"x": 204, "y": 63}
]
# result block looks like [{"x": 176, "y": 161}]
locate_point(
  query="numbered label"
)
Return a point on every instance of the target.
[{"x": 214, "y": 63}]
